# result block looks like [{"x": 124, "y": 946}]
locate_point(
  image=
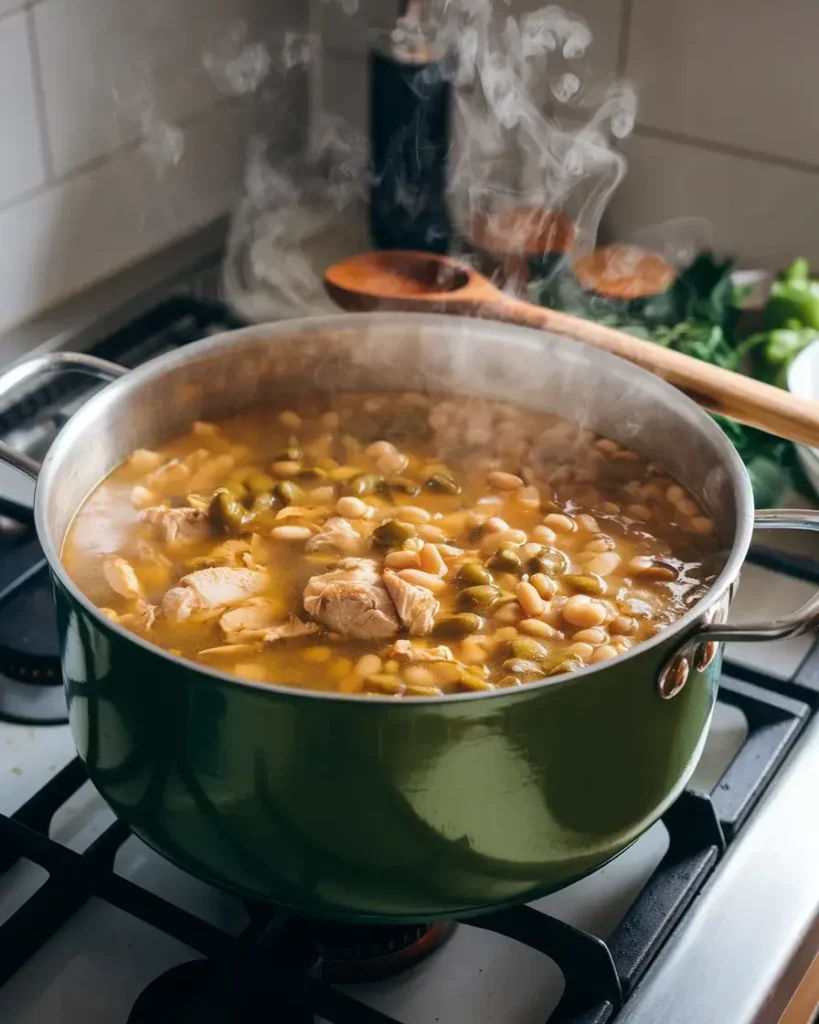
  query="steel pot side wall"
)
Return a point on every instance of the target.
[{"x": 378, "y": 810}]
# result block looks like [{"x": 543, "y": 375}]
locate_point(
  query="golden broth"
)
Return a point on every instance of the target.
[{"x": 516, "y": 545}]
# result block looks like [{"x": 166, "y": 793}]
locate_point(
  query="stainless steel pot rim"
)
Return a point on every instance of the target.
[{"x": 353, "y": 321}]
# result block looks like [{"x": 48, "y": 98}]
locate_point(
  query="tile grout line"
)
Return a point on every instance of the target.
[
  {"x": 100, "y": 161},
  {"x": 623, "y": 43},
  {"x": 39, "y": 96},
  {"x": 725, "y": 148},
  {"x": 24, "y": 5}
]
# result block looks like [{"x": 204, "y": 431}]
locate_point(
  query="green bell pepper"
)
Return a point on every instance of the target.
[{"x": 794, "y": 296}]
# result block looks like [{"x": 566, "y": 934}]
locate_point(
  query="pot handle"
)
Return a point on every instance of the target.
[
  {"x": 803, "y": 620},
  {"x": 699, "y": 647},
  {"x": 51, "y": 363}
]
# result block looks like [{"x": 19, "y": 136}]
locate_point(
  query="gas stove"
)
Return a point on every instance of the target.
[{"x": 95, "y": 927}]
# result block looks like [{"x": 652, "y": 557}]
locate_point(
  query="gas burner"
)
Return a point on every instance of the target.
[
  {"x": 355, "y": 953},
  {"x": 30, "y": 678},
  {"x": 218, "y": 992},
  {"x": 205, "y": 992}
]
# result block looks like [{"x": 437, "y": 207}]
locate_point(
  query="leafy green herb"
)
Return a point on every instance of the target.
[{"x": 699, "y": 316}]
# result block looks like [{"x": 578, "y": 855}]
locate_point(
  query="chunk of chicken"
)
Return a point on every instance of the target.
[
  {"x": 179, "y": 603},
  {"x": 404, "y": 650},
  {"x": 352, "y": 600},
  {"x": 416, "y": 606},
  {"x": 178, "y": 525},
  {"x": 209, "y": 590},
  {"x": 293, "y": 629},
  {"x": 232, "y": 553},
  {"x": 142, "y": 617},
  {"x": 141, "y": 497},
  {"x": 256, "y": 620},
  {"x": 339, "y": 535},
  {"x": 143, "y": 460},
  {"x": 121, "y": 577},
  {"x": 249, "y": 620}
]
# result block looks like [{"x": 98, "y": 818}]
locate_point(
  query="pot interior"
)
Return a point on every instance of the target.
[{"x": 387, "y": 351}]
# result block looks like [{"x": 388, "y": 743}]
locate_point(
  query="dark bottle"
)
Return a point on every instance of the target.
[{"x": 409, "y": 139}]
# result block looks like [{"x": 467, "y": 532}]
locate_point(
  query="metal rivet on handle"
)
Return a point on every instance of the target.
[
  {"x": 674, "y": 677},
  {"x": 705, "y": 655}
]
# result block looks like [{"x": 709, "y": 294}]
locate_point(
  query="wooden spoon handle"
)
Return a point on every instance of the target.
[{"x": 721, "y": 391}]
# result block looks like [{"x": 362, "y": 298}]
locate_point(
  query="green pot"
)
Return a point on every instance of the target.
[{"x": 377, "y": 809}]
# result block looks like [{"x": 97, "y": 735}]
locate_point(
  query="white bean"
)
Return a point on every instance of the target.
[
  {"x": 392, "y": 462},
  {"x": 431, "y": 561},
  {"x": 368, "y": 665},
  {"x": 624, "y": 625},
  {"x": 351, "y": 508},
  {"x": 502, "y": 538},
  {"x": 530, "y": 600},
  {"x": 419, "y": 675},
  {"x": 379, "y": 448},
  {"x": 529, "y": 497},
  {"x": 583, "y": 611},
  {"x": 505, "y": 481},
  {"x": 544, "y": 535},
  {"x": 290, "y": 419},
  {"x": 544, "y": 585},
  {"x": 688, "y": 507},
  {"x": 418, "y": 578},
  {"x": 560, "y": 523},
  {"x": 411, "y": 514},
  {"x": 535, "y": 627},
  {"x": 584, "y": 651},
  {"x": 291, "y": 533},
  {"x": 603, "y": 565},
  {"x": 403, "y": 560},
  {"x": 595, "y": 637},
  {"x": 431, "y": 533}
]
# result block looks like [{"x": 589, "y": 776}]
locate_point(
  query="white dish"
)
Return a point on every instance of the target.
[{"x": 803, "y": 380}]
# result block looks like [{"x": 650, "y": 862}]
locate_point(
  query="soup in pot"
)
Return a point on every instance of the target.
[{"x": 392, "y": 544}]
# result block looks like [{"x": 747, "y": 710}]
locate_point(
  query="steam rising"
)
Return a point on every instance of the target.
[
  {"x": 529, "y": 132},
  {"x": 514, "y": 147},
  {"x": 237, "y": 64}
]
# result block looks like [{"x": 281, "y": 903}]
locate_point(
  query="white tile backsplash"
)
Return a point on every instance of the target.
[
  {"x": 727, "y": 89},
  {"x": 21, "y": 156},
  {"x": 7, "y": 6},
  {"x": 741, "y": 72},
  {"x": 763, "y": 213},
  {"x": 112, "y": 70},
  {"x": 72, "y": 234},
  {"x": 116, "y": 139}
]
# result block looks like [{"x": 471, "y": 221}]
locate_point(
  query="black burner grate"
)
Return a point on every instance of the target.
[{"x": 276, "y": 961}]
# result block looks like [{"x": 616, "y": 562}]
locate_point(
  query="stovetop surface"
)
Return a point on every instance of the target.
[{"x": 89, "y": 916}]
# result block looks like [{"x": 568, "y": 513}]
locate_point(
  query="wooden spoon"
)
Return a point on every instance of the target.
[{"x": 422, "y": 282}]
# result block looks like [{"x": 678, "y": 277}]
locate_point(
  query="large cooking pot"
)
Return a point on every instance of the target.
[{"x": 380, "y": 809}]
